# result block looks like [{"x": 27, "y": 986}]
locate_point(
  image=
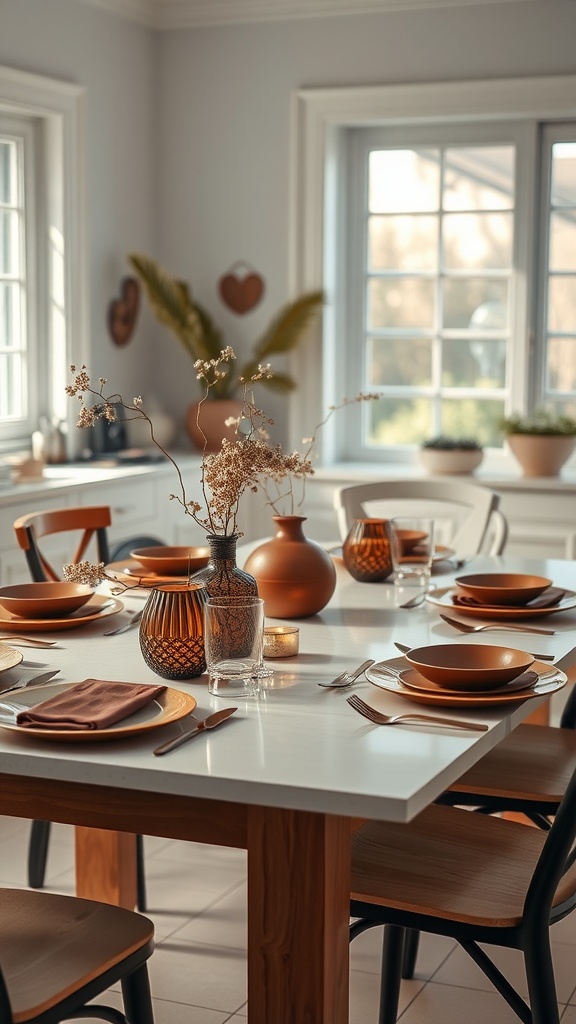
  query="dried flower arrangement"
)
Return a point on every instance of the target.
[{"x": 249, "y": 463}]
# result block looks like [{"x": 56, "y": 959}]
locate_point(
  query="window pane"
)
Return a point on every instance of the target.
[
  {"x": 9, "y": 316},
  {"x": 401, "y": 302},
  {"x": 562, "y": 364},
  {"x": 8, "y": 180},
  {"x": 399, "y": 421},
  {"x": 11, "y": 388},
  {"x": 477, "y": 240},
  {"x": 563, "y": 192},
  {"x": 403, "y": 243},
  {"x": 563, "y": 240},
  {"x": 473, "y": 417},
  {"x": 399, "y": 362},
  {"x": 479, "y": 178},
  {"x": 473, "y": 363},
  {"x": 474, "y": 302},
  {"x": 404, "y": 180},
  {"x": 9, "y": 248},
  {"x": 562, "y": 304}
]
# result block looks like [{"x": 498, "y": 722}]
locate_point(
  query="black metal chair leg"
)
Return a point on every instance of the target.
[
  {"x": 411, "y": 943},
  {"x": 137, "y": 997},
  {"x": 392, "y": 955},
  {"x": 38, "y": 853},
  {"x": 140, "y": 874}
]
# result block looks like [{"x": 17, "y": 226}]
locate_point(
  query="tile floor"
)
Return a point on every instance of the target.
[{"x": 196, "y": 897}]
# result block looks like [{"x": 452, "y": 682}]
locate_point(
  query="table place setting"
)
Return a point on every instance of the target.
[
  {"x": 52, "y": 606},
  {"x": 503, "y": 596}
]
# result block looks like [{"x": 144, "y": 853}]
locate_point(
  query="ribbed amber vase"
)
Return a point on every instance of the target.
[
  {"x": 172, "y": 630},
  {"x": 366, "y": 550}
]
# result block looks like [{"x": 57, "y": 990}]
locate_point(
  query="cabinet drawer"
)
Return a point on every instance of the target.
[{"x": 133, "y": 503}]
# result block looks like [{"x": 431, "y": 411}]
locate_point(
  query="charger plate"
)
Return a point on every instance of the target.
[
  {"x": 9, "y": 657},
  {"x": 132, "y": 574},
  {"x": 169, "y": 706},
  {"x": 442, "y": 598},
  {"x": 414, "y": 681},
  {"x": 98, "y": 607},
  {"x": 549, "y": 681}
]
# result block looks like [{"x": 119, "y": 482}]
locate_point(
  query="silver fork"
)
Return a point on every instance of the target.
[
  {"x": 464, "y": 627},
  {"x": 347, "y": 678},
  {"x": 133, "y": 621},
  {"x": 377, "y": 718}
]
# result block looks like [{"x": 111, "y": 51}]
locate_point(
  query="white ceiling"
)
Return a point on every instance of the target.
[{"x": 170, "y": 14}]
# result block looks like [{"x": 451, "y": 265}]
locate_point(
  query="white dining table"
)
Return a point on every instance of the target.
[{"x": 287, "y": 777}]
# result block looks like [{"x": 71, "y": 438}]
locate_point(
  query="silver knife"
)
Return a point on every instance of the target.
[
  {"x": 539, "y": 657},
  {"x": 38, "y": 680},
  {"x": 207, "y": 723}
]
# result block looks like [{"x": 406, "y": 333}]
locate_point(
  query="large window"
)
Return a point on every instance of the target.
[
  {"x": 42, "y": 260},
  {"x": 447, "y": 217}
]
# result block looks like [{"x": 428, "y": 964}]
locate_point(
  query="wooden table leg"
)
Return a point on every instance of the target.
[
  {"x": 298, "y": 913},
  {"x": 106, "y": 866}
]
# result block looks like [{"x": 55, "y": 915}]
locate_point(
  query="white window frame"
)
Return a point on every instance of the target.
[
  {"x": 321, "y": 118},
  {"x": 58, "y": 110}
]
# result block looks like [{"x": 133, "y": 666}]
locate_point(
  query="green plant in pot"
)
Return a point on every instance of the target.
[
  {"x": 541, "y": 443},
  {"x": 174, "y": 306},
  {"x": 444, "y": 454}
]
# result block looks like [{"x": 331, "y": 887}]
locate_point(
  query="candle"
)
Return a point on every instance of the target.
[{"x": 280, "y": 641}]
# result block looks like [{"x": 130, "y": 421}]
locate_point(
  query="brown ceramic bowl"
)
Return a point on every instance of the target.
[
  {"x": 44, "y": 600},
  {"x": 502, "y": 588},
  {"x": 410, "y": 539},
  {"x": 166, "y": 561},
  {"x": 469, "y": 666}
]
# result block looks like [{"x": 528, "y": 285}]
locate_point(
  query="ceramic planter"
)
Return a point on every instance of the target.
[
  {"x": 541, "y": 454},
  {"x": 444, "y": 461}
]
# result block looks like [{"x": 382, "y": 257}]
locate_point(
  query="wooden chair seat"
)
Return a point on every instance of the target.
[
  {"x": 476, "y": 869},
  {"x": 534, "y": 763},
  {"x": 59, "y": 951}
]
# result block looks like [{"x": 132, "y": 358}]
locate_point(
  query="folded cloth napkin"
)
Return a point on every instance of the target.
[
  {"x": 91, "y": 704},
  {"x": 547, "y": 599}
]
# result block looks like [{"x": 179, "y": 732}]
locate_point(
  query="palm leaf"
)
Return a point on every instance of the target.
[
  {"x": 286, "y": 329},
  {"x": 171, "y": 302}
]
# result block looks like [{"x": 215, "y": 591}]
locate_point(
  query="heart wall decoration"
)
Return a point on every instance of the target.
[
  {"x": 123, "y": 312},
  {"x": 241, "y": 293}
]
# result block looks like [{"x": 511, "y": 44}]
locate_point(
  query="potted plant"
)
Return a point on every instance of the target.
[
  {"x": 451, "y": 455},
  {"x": 541, "y": 443},
  {"x": 172, "y": 303}
]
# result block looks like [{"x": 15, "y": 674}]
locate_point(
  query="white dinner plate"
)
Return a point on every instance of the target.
[
  {"x": 443, "y": 599},
  {"x": 549, "y": 681},
  {"x": 98, "y": 607},
  {"x": 169, "y": 706}
]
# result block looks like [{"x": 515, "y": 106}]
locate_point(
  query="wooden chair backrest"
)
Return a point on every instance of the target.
[{"x": 90, "y": 521}]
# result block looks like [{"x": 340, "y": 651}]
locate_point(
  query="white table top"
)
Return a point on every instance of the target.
[{"x": 298, "y": 746}]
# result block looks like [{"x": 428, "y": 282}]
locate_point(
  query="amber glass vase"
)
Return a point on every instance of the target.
[
  {"x": 172, "y": 630},
  {"x": 366, "y": 550},
  {"x": 222, "y": 577}
]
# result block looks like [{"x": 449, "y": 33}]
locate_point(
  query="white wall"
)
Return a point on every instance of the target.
[{"x": 189, "y": 137}]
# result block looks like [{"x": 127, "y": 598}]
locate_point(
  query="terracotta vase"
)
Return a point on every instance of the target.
[
  {"x": 295, "y": 576},
  {"x": 541, "y": 454},
  {"x": 222, "y": 577},
  {"x": 205, "y": 422},
  {"x": 366, "y": 550},
  {"x": 172, "y": 630}
]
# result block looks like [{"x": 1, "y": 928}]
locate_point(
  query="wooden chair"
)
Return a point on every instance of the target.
[
  {"x": 467, "y": 514},
  {"x": 58, "y": 953},
  {"x": 474, "y": 878},
  {"x": 87, "y": 524},
  {"x": 526, "y": 774}
]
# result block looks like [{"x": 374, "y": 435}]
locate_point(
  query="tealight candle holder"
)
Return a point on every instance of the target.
[{"x": 281, "y": 641}]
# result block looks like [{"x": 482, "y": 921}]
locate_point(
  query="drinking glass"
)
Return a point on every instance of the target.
[
  {"x": 233, "y": 639},
  {"x": 412, "y": 550}
]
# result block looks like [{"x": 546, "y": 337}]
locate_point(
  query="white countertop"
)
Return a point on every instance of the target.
[{"x": 299, "y": 745}]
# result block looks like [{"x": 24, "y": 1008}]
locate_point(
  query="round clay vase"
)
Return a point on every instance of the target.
[
  {"x": 295, "y": 576},
  {"x": 541, "y": 454},
  {"x": 205, "y": 422}
]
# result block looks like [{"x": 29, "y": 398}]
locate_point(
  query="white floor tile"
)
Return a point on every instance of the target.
[
  {"x": 210, "y": 976},
  {"x": 440, "y": 1004}
]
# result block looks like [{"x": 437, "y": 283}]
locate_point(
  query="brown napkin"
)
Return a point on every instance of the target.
[
  {"x": 91, "y": 704},
  {"x": 547, "y": 599}
]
